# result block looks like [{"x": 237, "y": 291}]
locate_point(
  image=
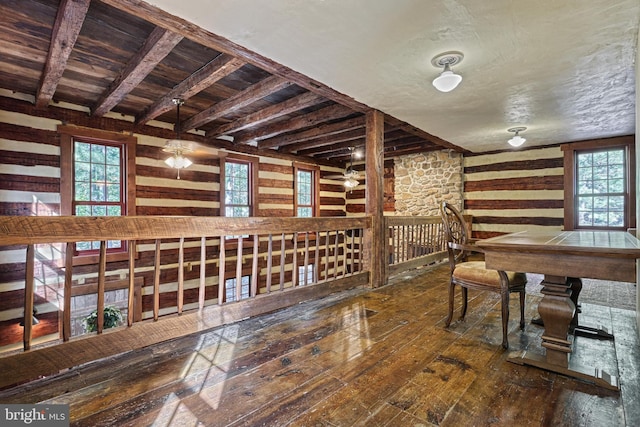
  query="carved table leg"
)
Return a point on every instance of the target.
[{"x": 558, "y": 312}]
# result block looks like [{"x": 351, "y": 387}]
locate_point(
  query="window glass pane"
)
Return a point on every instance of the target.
[
  {"x": 97, "y": 210},
  {"x": 82, "y": 152},
  {"x": 113, "y": 156},
  {"x": 83, "y": 210},
  {"x": 600, "y": 159},
  {"x": 616, "y": 186},
  {"x": 98, "y": 192},
  {"x": 616, "y": 157},
  {"x": 305, "y": 212},
  {"x": 585, "y": 160},
  {"x": 113, "y": 173},
  {"x": 82, "y": 171},
  {"x": 98, "y": 153},
  {"x": 97, "y": 173},
  {"x": 114, "y": 211},
  {"x": 82, "y": 193},
  {"x": 113, "y": 192},
  {"x": 616, "y": 171}
]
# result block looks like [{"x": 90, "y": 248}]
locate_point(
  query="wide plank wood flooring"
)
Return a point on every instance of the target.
[{"x": 363, "y": 358}]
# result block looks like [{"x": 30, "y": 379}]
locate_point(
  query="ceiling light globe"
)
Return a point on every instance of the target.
[
  {"x": 447, "y": 81},
  {"x": 516, "y": 141}
]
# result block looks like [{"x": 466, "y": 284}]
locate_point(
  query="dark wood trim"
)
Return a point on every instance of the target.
[
  {"x": 315, "y": 191},
  {"x": 254, "y": 165}
]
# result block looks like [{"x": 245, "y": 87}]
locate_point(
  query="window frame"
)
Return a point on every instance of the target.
[
  {"x": 571, "y": 151},
  {"x": 253, "y": 182},
  {"x": 315, "y": 188},
  {"x": 68, "y": 136}
]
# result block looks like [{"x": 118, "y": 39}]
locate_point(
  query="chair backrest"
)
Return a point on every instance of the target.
[{"x": 455, "y": 230}]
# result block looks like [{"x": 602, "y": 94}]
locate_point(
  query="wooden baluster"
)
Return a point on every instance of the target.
[
  {"x": 203, "y": 272},
  {"x": 345, "y": 260},
  {"x": 132, "y": 281},
  {"x": 316, "y": 262},
  {"x": 360, "y": 242},
  {"x": 254, "y": 266},
  {"x": 269, "y": 262},
  {"x": 101, "y": 281},
  {"x": 353, "y": 249},
  {"x": 68, "y": 279},
  {"x": 221, "y": 267},
  {"x": 181, "y": 276},
  {"x": 306, "y": 258},
  {"x": 239, "y": 269},
  {"x": 282, "y": 261},
  {"x": 335, "y": 256},
  {"x": 156, "y": 282},
  {"x": 326, "y": 256},
  {"x": 28, "y": 297},
  {"x": 294, "y": 262}
]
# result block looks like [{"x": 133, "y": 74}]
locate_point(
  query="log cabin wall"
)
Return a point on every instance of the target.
[
  {"x": 356, "y": 200},
  {"x": 30, "y": 185},
  {"x": 512, "y": 191}
]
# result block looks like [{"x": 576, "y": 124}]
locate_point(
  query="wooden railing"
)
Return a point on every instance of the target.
[
  {"x": 219, "y": 269},
  {"x": 413, "y": 241}
]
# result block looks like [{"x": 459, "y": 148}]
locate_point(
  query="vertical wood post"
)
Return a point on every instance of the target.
[{"x": 375, "y": 259}]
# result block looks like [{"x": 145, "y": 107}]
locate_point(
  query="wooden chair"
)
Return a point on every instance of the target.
[{"x": 474, "y": 274}]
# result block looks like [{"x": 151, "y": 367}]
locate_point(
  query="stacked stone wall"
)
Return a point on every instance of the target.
[{"x": 424, "y": 180}]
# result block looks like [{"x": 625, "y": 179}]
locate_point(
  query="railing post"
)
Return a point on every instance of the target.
[{"x": 374, "y": 248}]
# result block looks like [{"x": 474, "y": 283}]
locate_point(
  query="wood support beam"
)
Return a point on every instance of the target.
[
  {"x": 375, "y": 258},
  {"x": 312, "y": 134},
  {"x": 218, "y": 68},
  {"x": 248, "y": 96},
  {"x": 158, "y": 45},
  {"x": 69, "y": 20}
]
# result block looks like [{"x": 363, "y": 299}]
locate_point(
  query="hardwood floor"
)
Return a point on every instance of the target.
[{"x": 369, "y": 358}]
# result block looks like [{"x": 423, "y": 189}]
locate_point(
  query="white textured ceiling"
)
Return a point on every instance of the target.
[{"x": 564, "y": 69}]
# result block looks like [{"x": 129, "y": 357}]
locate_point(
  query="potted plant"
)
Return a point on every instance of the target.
[{"x": 112, "y": 318}]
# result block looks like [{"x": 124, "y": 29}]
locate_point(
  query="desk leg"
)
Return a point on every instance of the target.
[
  {"x": 576, "y": 328},
  {"x": 558, "y": 312}
]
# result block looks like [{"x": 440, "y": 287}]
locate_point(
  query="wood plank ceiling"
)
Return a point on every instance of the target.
[{"x": 127, "y": 57}]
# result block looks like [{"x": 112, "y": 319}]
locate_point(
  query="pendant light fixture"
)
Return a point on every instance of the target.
[
  {"x": 517, "y": 140},
  {"x": 351, "y": 175},
  {"x": 447, "y": 80},
  {"x": 178, "y": 147}
]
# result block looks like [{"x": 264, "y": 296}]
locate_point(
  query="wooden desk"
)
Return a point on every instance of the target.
[{"x": 564, "y": 257}]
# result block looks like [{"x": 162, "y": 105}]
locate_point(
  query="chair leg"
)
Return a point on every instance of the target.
[
  {"x": 505, "y": 318},
  {"x": 452, "y": 290},
  {"x": 463, "y": 310},
  {"x": 522, "y": 298},
  {"x": 504, "y": 297}
]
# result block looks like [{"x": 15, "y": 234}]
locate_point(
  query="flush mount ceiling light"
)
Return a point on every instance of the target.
[
  {"x": 447, "y": 80},
  {"x": 517, "y": 140},
  {"x": 177, "y": 146}
]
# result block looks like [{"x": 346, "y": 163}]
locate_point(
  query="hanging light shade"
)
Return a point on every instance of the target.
[
  {"x": 517, "y": 140},
  {"x": 351, "y": 183},
  {"x": 447, "y": 80},
  {"x": 178, "y": 147}
]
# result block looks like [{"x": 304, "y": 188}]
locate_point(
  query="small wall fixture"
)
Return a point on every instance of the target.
[
  {"x": 517, "y": 140},
  {"x": 447, "y": 80}
]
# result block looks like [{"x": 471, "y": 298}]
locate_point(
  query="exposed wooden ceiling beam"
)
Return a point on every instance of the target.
[
  {"x": 144, "y": 10},
  {"x": 422, "y": 134},
  {"x": 272, "y": 112},
  {"x": 331, "y": 112},
  {"x": 412, "y": 150},
  {"x": 248, "y": 96},
  {"x": 69, "y": 20},
  {"x": 218, "y": 68},
  {"x": 158, "y": 45},
  {"x": 322, "y": 141},
  {"x": 318, "y": 131}
]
